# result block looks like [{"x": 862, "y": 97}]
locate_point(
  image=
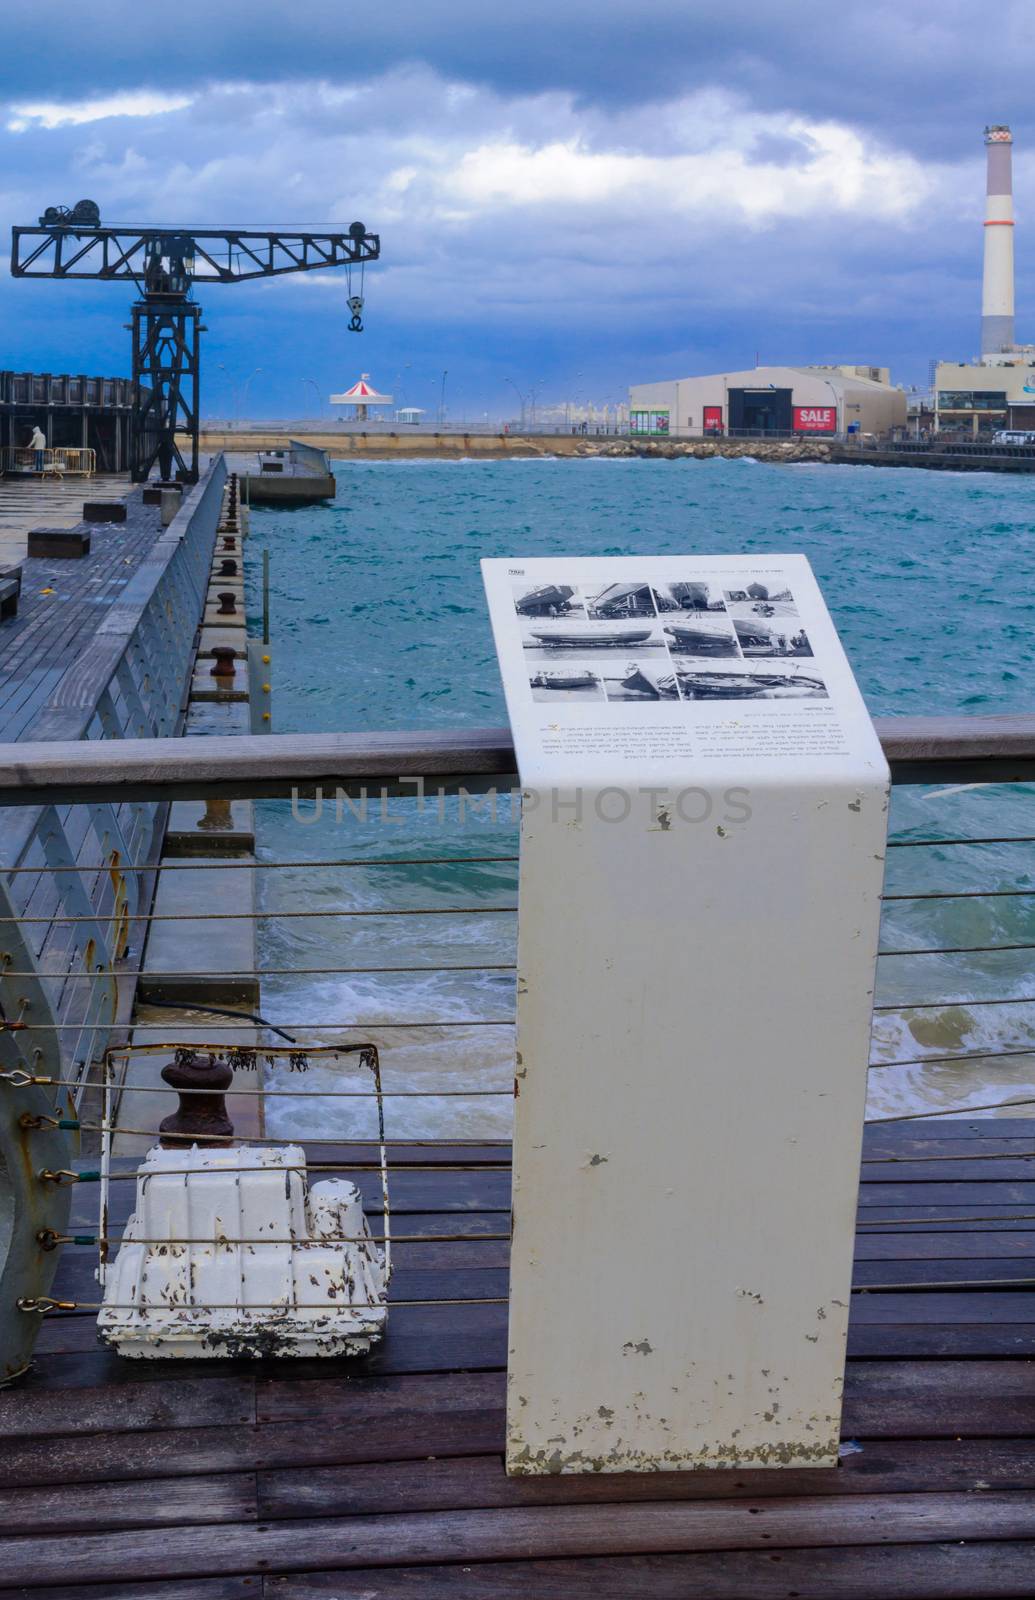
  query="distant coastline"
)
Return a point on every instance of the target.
[
  {"x": 948, "y": 455},
  {"x": 378, "y": 444}
]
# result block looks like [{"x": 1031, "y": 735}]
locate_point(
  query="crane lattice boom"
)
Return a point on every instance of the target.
[
  {"x": 209, "y": 255},
  {"x": 166, "y": 262}
]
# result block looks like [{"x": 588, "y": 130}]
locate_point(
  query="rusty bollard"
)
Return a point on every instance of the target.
[
  {"x": 218, "y": 817},
  {"x": 224, "y": 664},
  {"x": 201, "y": 1115},
  {"x": 227, "y": 603},
  {"x": 227, "y": 568}
]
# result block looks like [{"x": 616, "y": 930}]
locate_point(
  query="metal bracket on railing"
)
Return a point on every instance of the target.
[{"x": 32, "y": 1210}]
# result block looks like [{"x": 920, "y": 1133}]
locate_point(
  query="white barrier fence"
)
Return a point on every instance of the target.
[{"x": 65, "y": 459}]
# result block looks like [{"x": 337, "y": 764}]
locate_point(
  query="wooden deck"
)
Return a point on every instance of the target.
[
  {"x": 382, "y": 1479},
  {"x": 63, "y": 601},
  {"x": 27, "y": 502}
]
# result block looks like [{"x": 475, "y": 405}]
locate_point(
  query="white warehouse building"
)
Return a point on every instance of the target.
[{"x": 770, "y": 400}]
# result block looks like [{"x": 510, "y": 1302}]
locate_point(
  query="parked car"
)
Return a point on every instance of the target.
[{"x": 1013, "y": 436}]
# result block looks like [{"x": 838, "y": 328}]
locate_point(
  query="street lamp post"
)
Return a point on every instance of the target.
[
  {"x": 319, "y": 396},
  {"x": 520, "y": 396},
  {"x": 245, "y": 387},
  {"x": 233, "y": 394},
  {"x": 442, "y": 399}
]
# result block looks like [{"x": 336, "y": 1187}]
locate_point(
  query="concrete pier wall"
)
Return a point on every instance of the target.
[{"x": 501, "y": 446}]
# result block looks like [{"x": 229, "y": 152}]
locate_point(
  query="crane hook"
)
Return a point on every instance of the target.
[{"x": 355, "y": 305}]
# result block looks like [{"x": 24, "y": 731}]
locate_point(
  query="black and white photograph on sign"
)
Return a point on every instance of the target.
[
  {"x": 792, "y": 682},
  {"x": 607, "y": 602},
  {"x": 687, "y": 598},
  {"x": 548, "y": 600},
  {"x": 545, "y": 640},
  {"x": 643, "y": 681},
  {"x": 704, "y": 633},
  {"x": 573, "y": 681},
  {"x": 771, "y": 636},
  {"x": 758, "y": 599}
]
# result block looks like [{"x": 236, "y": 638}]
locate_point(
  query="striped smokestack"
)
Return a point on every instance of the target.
[{"x": 997, "y": 288}]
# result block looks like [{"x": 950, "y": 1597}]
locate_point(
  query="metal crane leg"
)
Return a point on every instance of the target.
[{"x": 166, "y": 370}]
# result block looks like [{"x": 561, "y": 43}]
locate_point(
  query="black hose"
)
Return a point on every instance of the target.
[{"x": 223, "y": 1011}]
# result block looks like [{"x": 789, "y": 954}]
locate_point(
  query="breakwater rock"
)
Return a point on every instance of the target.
[{"x": 780, "y": 450}]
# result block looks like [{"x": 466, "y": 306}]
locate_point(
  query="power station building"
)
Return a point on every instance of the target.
[{"x": 783, "y": 401}]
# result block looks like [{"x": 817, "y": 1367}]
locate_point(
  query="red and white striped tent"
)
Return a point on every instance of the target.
[{"x": 361, "y": 395}]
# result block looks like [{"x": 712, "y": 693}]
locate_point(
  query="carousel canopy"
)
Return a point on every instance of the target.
[{"x": 361, "y": 394}]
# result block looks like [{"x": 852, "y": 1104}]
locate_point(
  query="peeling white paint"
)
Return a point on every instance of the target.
[
  {"x": 697, "y": 1011},
  {"x": 229, "y": 1253}
]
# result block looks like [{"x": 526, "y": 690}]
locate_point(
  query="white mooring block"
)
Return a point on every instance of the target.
[
  {"x": 229, "y": 1252},
  {"x": 702, "y": 842}
]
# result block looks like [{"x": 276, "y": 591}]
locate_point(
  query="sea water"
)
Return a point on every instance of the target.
[{"x": 379, "y": 622}]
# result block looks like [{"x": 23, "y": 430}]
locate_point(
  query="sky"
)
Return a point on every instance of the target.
[{"x": 570, "y": 197}]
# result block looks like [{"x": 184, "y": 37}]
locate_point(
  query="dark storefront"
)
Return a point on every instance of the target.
[{"x": 765, "y": 410}]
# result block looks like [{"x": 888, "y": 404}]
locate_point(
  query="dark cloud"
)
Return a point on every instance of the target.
[
  {"x": 933, "y": 74},
  {"x": 574, "y": 196}
]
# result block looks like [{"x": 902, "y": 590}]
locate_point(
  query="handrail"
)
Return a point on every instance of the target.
[{"x": 994, "y": 749}]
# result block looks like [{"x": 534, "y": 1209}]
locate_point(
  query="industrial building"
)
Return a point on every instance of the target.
[
  {"x": 75, "y": 411},
  {"x": 997, "y": 391},
  {"x": 775, "y": 400}
]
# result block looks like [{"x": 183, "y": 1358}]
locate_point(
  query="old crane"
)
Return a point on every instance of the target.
[{"x": 165, "y": 263}]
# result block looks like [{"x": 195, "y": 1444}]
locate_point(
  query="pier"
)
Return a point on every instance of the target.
[
  {"x": 385, "y": 1474},
  {"x": 283, "y": 474}
]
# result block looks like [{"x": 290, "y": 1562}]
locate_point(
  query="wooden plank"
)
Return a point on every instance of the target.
[
  {"x": 515, "y": 1534},
  {"x": 31, "y": 1410},
  {"x": 110, "y": 1457},
  {"x": 223, "y": 1588},
  {"x": 949, "y": 1218},
  {"x": 342, "y": 1399},
  {"x": 340, "y": 1420},
  {"x": 480, "y": 1482},
  {"x": 939, "y": 1194},
  {"x": 944, "y": 1310},
  {"x": 925, "y": 1244},
  {"x": 440, "y": 1338},
  {"x": 927, "y": 1341},
  {"x": 135, "y": 1503},
  {"x": 938, "y": 1131},
  {"x": 956, "y": 1272},
  {"x": 445, "y": 1338},
  {"x": 948, "y": 1571},
  {"x": 995, "y": 1168},
  {"x": 226, "y": 1588}
]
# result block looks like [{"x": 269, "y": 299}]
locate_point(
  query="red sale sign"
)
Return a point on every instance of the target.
[
  {"x": 713, "y": 419},
  {"x": 815, "y": 419}
]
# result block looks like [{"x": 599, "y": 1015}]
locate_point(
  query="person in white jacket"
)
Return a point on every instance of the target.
[{"x": 38, "y": 443}]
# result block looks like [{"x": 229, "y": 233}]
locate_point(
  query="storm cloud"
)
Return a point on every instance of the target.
[{"x": 572, "y": 198}]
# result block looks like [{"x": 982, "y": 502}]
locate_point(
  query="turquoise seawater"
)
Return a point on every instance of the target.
[{"x": 379, "y": 621}]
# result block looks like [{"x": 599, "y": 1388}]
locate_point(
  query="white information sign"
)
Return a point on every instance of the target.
[{"x": 703, "y": 824}]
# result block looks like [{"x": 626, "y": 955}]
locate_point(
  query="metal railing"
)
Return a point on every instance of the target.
[
  {"x": 942, "y": 445},
  {"x": 401, "y": 939},
  {"x": 74, "y": 878}
]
